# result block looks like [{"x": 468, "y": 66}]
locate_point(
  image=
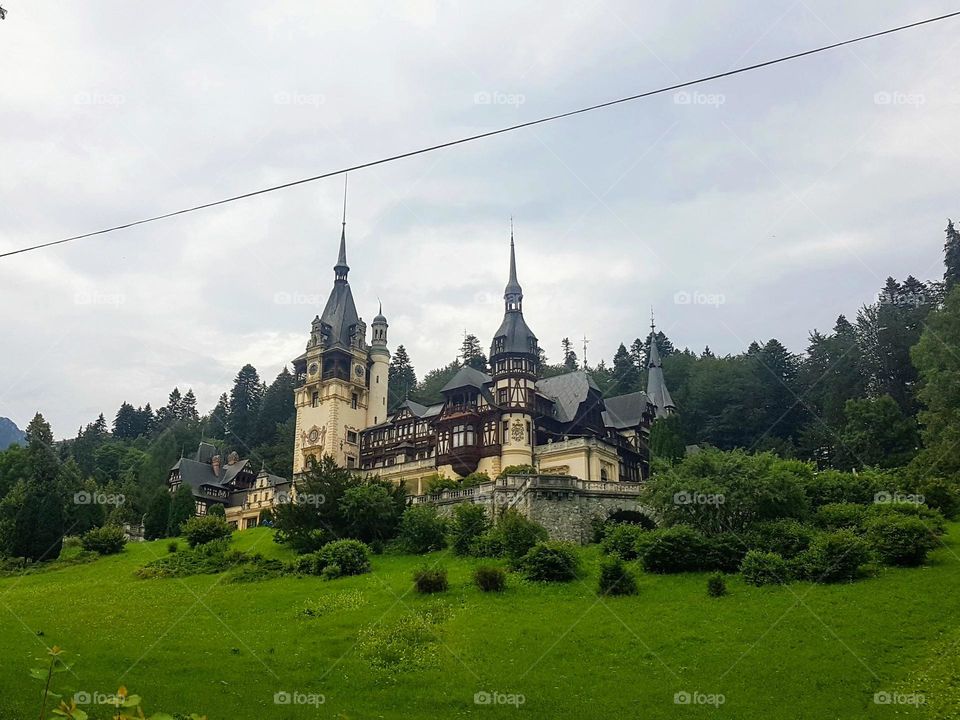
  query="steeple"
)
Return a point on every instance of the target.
[
  {"x": 341, "y": 268},
  {"x": 513, "y": 336},
  {"x": 513, "y": 293},
  {"x": 656, "y": 387}
]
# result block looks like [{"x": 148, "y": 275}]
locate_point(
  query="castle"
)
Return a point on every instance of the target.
[{"x": 487, "y": 422}]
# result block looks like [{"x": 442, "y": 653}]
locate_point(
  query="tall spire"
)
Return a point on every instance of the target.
[
  {"x": 513, "y": 293},
  {"x": 341, "y": 268},
  {"x": 656, "y": 386}
]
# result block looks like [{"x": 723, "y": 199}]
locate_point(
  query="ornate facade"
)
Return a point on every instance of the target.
[{"x": 487, "y": 421}]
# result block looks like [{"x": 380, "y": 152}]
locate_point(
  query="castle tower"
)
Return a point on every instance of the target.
[
  {"x": 378, "y": 372},
  {"x": 332, "y": 395},
  {"x": 656, "y": 387},
  {"x": 514, "y": 360}
]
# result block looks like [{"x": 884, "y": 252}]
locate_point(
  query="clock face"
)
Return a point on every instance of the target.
[
  {"x": 313, "y": 368},
  {"x": 358, "y": 370}
]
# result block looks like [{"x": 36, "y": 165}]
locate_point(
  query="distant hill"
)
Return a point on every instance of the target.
[{"x": 10, "y": 433}]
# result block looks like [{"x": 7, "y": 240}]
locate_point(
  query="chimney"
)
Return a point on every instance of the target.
[{"x": 215, "y": 462}]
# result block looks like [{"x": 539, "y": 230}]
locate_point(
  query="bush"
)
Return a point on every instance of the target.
[
  {"x": 490, "y": 578},
  {"x": 351, "y": 556},
  {"x": 518, "y": 470},
  {"x": 615, "y": 578},
  {"x": 676, "y": 549},
  {"x": 422, "y": 530},
  {"x": 490, "y": 544},
  {"x": 939, "y": 494},
  {"x": 518, "y": 534},
  {"x": 836, "y": 516},
  {"x": 833, "y": 557},
  {"x": 550, "y": 561},
  {"x": 764, "y": 568},
  {"x": 474, "y": 479},
  {"x": 900, "y": 539},
  {"x": 173, "y": 546},
  {"x": 716, "y": 585},
  {"x": 430, "y": 580},
  {"x": 621, "y": 539},
  {"x": 106, "y": 540},
  {"x": 332, "y": 572},
  {"x": 724, "y": 552},
  {"x": 787, "y": 537},
  {"x": 469, "y": 523},
  {"x": 204, "y": 529},
  {"x": 834, "y": 486},
  {"x": 931, "y": 518},
  {"x": 308, "y": 564},
  {"x": 216, "y": 510}
]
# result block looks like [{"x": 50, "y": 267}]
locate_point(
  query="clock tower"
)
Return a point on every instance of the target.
[{"x": 333, "y": 392}]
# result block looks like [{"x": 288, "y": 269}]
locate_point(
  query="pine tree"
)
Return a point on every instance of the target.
[
  {"x": 174, "y": 409},
  {"x": 951, "y": 257},
  {"x": 125, "y": 422},
  {"x": 638, "y": 354},
  {"x": 403, "y": 379},
  {"x": 569, "y": 356},
  {"x": 41, "y": 457},
  {"x": 182, "y": 508},
  {"x": 245, "y": 398},
  {"x": 626, "y": 376},
  {"x": 146, "y": 420},
  {"x": 471, "y": 353},
  {"x": 157, "y": 516},
  {"x": 217, "y": 422},
  {"x": 277, "y": 407},
  {"x": 188, "y": 407}
]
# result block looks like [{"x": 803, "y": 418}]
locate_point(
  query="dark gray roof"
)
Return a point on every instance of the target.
[
  {"x": 656, "y": 387},
  {"x": 567, "y": 391},
  {"x": 340, "y": 315},
  {"x": 517, "y": 336},
  {"x": 467, "y": 377},
  {"x": 205, "y": 452},
  {"x": 625, "y": 411}
]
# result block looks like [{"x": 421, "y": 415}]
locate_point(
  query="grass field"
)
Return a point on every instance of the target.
[{"x": 204, "y": 645}]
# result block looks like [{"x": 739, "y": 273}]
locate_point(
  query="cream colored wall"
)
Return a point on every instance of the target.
[
  {"x": 580, "y": 458},
  {"x": 379, "y": 380}
]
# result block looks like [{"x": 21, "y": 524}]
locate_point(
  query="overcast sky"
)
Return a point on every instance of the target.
[{"x": 754, "y": 207}]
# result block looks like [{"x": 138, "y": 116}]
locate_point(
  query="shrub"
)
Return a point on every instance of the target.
[
  {"x": 939, "y": 494},
  {"x": 518, "y": 470},
  {"x": 474, "y": 479},
  {"x": 469, "y": 523},
  {"x": 351, "y": 556},
  {"x": 836, "y": 516},
  {"x": 332, "y": 572},
  {"x": 204, "y": 529},
  {"x": 834, "y": 486},
  {"x": 621, "y": 539},
  {"x": 490, "y": 578},
  {"x": 833, "y": 557},
  {"x": 436, "y": 484},
  {"x": 931, "y": 518},
  {"x": 724, "y": 552},
  {"x": 786, "y": 537},
  {"x": 173, "y": 546},
  {"x": 550, "y": 561},
  {"x": 422, "y": 530},
  {"x": 430, "y": 580},
  {"x": 900, "y": 539},
  {"x": 716, "y": 585},
  {"x": 106, "y": 540},
  {"x": 308, "y": 564},
  {"x": 676, "y": 549},
  {"x": 216, "y": 510},
  {"x": 615, "y": 578},
  {"x": 764, "y": 568},
  {"x": 518, "y": 534},
  {"x": 490, "y": 544}
]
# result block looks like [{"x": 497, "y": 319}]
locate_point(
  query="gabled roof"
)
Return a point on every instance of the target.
[
  {"x": 568, "y": 392},
  {"x": 656, "y": 387},
  {"x": 467, "y": 376},
  {"x": 625, "y": 411}
]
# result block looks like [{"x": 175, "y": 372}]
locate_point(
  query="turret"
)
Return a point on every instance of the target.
[
  {"x": 656, "y": 387},
  {"x": 378, "y": 374}
]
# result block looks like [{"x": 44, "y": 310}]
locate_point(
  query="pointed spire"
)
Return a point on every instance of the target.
[
  {"x": 656, "y": 386},
  {"x": 513, "y": 293},
  {"x": 341, "y": 268}
]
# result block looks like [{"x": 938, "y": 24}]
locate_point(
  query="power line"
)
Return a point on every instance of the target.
[{"x": 490, "y": 133}]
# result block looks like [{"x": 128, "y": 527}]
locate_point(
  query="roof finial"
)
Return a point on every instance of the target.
[
  {"x": 652, "y": 325},
  {"x": 345, "y": 200},
  {"x": 341, "y": 268}
]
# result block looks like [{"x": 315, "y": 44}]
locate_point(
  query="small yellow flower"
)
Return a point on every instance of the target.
[{"x": 122, "y": 692}]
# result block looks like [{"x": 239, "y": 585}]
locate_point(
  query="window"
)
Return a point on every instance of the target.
[
  {"x": 351, "y": 437},
  {"x": 502, "y": 396},
  {"x": 351, "y": 461},
  {"x": 354, "y": 401},
  {"x": 315, "y": 400},
  {"x": 528, "y": 432},
  {"x": 505, "y": 437},
  {"x": 463, "y": 436}
]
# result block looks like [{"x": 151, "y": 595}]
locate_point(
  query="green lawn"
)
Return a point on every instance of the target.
[{"x": 200, "y": 644}]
